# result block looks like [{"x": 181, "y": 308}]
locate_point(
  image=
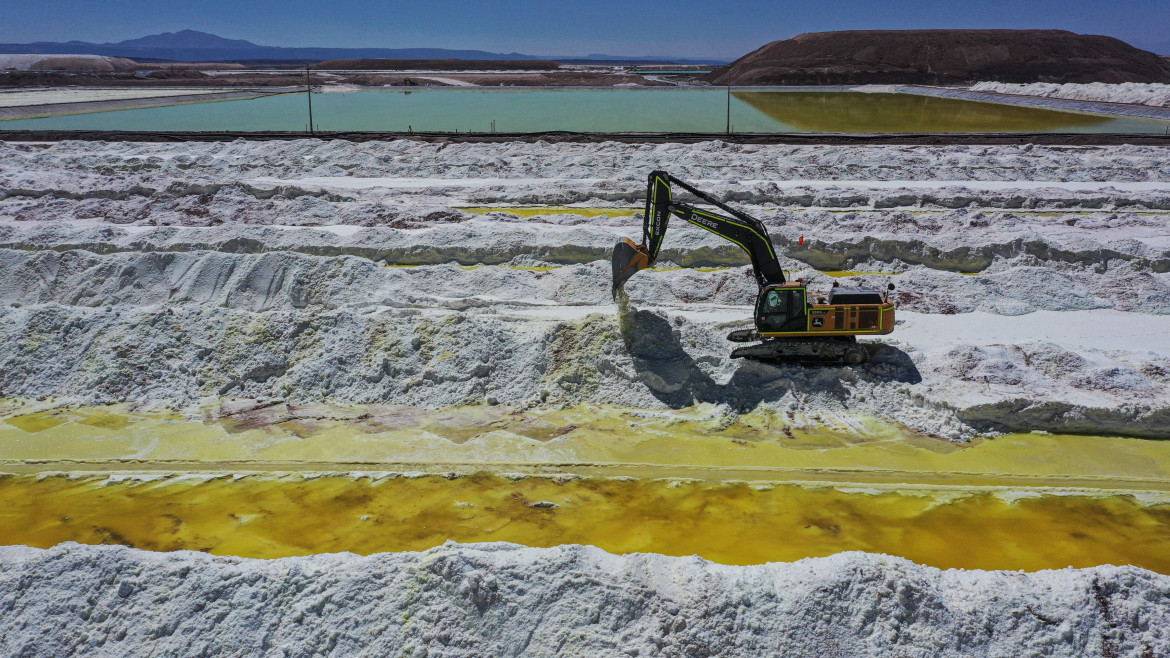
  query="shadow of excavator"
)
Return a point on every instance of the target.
[{"x": 676, "y": 379}]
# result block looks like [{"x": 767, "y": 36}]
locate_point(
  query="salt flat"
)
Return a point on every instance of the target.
[
  {"x": 85, "y": 95},
  {"x": 115, "y": 253}
]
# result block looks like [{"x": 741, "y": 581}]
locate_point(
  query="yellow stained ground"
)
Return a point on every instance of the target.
[
  {"x": 837, "y": 274},
  {"x": 533, "y": 211},
  {"x": 695, "y": 442},
  {"x": 546, "y": 268},
  {"x": 734, "y": 523},
  {"x": 763, "y": 487}
]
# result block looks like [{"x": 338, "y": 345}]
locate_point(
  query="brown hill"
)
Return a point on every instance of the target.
[
  {"x": 437, "y": 65},
  {"x": 943, "y": 57}
]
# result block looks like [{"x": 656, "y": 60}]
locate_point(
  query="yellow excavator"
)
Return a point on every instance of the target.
[{"x": 789, "y": 326}]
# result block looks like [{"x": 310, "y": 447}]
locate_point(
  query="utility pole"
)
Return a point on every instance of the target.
[
  {"x": 729, "y": 97},
  {"x": 309, "y": 95}
]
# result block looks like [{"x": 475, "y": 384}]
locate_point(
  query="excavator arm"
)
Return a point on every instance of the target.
[{"x": 741, "y": 229}]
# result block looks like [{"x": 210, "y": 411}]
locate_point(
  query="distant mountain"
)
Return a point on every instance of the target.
[
  {"x": 186, "y": 39},
  {"x": 194, "y": 46}
]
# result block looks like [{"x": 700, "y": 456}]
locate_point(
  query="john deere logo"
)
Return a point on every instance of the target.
[
  {"x": 818, "y": 322},
  {"x": 704, "y": 221}
]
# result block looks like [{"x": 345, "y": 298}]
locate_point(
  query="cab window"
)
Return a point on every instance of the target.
[
  {"x": 782, "y": 310},
  {"x": 776, "y": 301}
]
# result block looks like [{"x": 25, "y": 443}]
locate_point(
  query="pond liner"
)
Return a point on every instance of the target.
[{"x": 925, "y": 139}]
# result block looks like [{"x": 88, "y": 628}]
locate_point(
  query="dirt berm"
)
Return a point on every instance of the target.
[{"x": 943, "y": 57}]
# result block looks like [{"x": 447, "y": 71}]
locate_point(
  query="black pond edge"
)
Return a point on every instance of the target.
[{"x": 1053, "y": 139}]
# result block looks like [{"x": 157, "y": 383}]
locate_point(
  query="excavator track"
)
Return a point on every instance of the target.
[{"x": 805, "y": 350}]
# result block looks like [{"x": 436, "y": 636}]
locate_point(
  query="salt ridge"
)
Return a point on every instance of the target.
[{"x": 509, "y": 600}]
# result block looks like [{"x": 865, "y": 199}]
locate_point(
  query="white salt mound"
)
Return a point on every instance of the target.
[
  {"x": 1138, "y": 93},
  {"x": 71, "y": 63},
  {"x": 178, "y": 274},
  {"x": 509, "y": 600}
]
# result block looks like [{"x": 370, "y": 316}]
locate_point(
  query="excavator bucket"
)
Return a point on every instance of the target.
[{"x": 628, "y": 259}]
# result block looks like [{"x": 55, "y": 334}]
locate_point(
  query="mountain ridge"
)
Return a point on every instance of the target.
[{"x": 193, "y": 46}]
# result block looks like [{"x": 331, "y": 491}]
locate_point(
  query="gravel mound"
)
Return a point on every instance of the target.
[{"x": 941, "y": 57}]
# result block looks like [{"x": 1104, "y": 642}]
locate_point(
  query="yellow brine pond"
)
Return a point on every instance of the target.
[{"x": 277, "y": 480}]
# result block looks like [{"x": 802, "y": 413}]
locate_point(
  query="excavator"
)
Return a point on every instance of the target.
[{"x": 789, "y": 326}]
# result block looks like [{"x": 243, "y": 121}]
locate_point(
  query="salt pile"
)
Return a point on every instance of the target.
[
  {"x": 175, "y": 275},
  {"x": 507, "y": 600},
  {"x": 1140, "y": 93}
]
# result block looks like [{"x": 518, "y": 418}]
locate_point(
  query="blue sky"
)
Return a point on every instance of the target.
[{"x": 630, "y": 27}]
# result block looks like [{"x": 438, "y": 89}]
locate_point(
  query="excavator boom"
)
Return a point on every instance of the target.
[
  {"x": 741, "y": 229},
  {"x": 745, "y": 231}
]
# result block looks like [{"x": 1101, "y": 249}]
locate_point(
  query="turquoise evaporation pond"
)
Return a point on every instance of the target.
[{"x": 598, "y": 110}]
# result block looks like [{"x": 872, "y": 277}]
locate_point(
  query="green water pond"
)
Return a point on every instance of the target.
[{"x": 600, "y": 110}]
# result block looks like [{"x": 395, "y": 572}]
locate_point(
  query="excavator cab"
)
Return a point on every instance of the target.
[{"x": 782, "y": 308}]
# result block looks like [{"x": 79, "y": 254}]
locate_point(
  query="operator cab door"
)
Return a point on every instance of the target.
[{"x": 781, "y": 309}]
